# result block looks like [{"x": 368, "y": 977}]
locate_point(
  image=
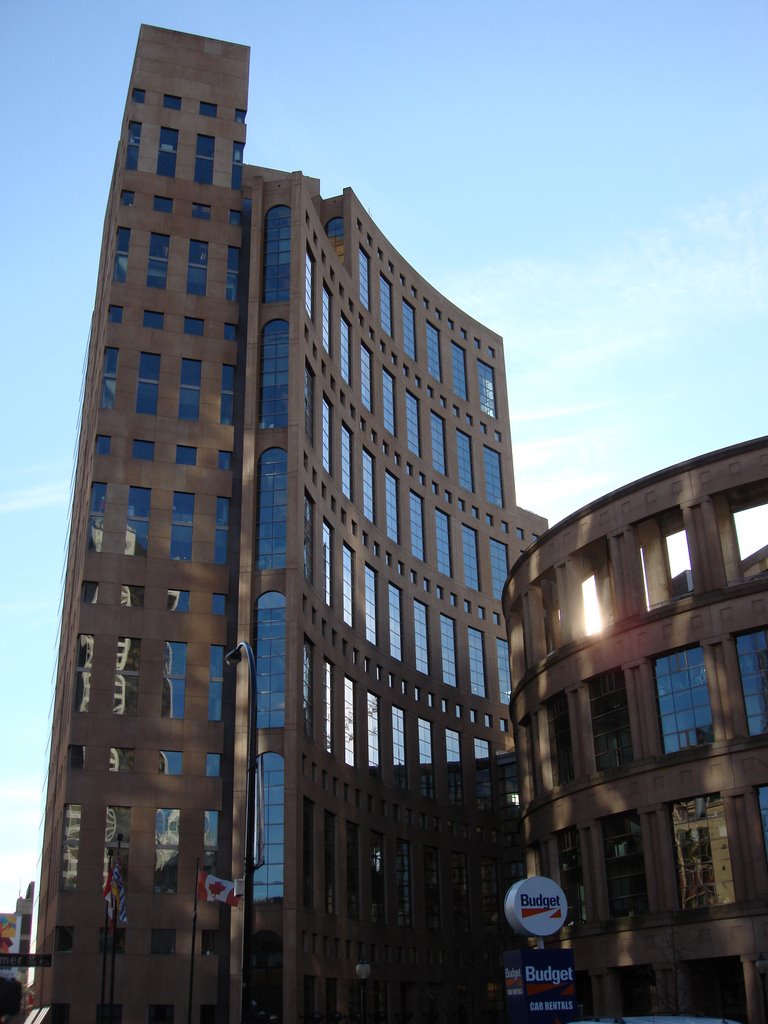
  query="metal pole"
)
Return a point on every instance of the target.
[
  {"x": 192, "y": 951},
  {"x": 235, "y": 656},
  {"x": 104, "y": 942},
  {"x": 115, "y": 911}
]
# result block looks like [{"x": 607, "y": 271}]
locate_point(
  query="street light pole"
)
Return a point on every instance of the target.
[
  {"x": 363, "y": 972},
  {"x": 232, "y": 658}
]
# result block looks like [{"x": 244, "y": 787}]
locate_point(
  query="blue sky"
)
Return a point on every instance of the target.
[{"x": 589, "y": 178}]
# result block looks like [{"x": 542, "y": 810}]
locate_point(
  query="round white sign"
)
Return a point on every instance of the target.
[{"x": 536, "y": 906}]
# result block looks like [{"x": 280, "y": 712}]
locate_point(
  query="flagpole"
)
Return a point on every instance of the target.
[
  {"x": 105, "y": 939},
  {"x": 192, "y": 952},
  {"x": 114, "y": 943}
]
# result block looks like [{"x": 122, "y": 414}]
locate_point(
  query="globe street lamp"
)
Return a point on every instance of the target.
[{"x": 363, "y": 972}]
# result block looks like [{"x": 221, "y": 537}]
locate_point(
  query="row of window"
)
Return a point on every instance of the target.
[
  {"x": 682, "y": 700},
  {"x": 148, "y": 386},
  {"x": 167, "y": 151},
  {"x": 123, "y": 759},
  {"x": 699, "y": 838},
  {"x": 138, "y": 517},
  {"x": 186, "y": 455},
  {"x": 155, "y": 319},
  {"x": 170, "y": 102},
  {"x": 132, "y": 596},
  {"x": 125, "y": 687},
  {"x": 158, "y": 262},
  {"x": 164, "y": 204}
]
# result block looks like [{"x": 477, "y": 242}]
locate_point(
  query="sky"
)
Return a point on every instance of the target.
[{"x": 589, "y": 178}]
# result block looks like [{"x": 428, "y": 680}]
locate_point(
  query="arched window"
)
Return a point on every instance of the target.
[
  {"x": 273, "y": 375},
  {"x": 269, "y": 649},
  {"x": 335, "y": 231},
  {"x": 268, "y": 885},
  {"x": 271, "y": 509},
  {"x": 277, "y": 254}
]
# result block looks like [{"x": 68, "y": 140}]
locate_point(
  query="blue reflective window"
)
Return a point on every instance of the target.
[
  {"x": 186, "y": 455},
  {"x": 224, "y": 460},
  {"x": 469, "y": 551},
  {"x": 433, "y": 351},
  {"x": 227, "y": 401},
  {"x": 269, "y": 651},
  {"x": 233, "y": 273},
  {"x": 388, "y": 400},
  {"x": 369, "y": 494},
  {"x": 459, "y": 365},
  {"x": 412, "y": 423},
  {"x": 148, "y": 383},
  {"x": 487, "y": 386},
  {"x": 345, "y": 349},
  {"x": 409, "y": 330},
  {"x": 157, "y": 264},
  {"x": 499, "y": 567},
  {"x": 448, "y": 649},
  {"x": 115, "y": 314},
  {"x": 103, "y": 444},
  {"x": 162, "y": 204},
  {"x": 121, "y": 255},
  {"x": 109, "y": 379},
  {"x": 172, "y": 102},
  {"x": 685, "y": 714},
  {"x": 392, "y": 507},
  {"x": 277, "y": 254},
  {"x": 437, "y": 429},
  {"x": 166, "y": 154},
  {"x": 208, "y": 109},
  {"x": 268, "y": 880},
  {"x": 476, "y": 662},
  {"x": 201, "y": 211},
  {"x": 271, "y": 519},
  {"x": 416, "y": 505},
  {"x": 366, "y": 369},
  {"x": 421, "y": 636},
  {"x": 197, "y": 267},
  {"x": 273, "y": 375},
  {"x": 182, "y": 520},
  {"x": 204, "y": 159},
  {"x": 346, "y": 461},
  {"x": 137, "y": 525},
  {"x": 143, "y": 450},
  {"x": 494, "y": 492},
  {"x": 364, "y": 269},
  {"x": 237, "y": 164},
  {"x": 132, "y": 150},
  {"x": 239, "y": 116},
  {"x": 464, "y": 460},
  {"x": 221, "y": 535},
  {"x": 189, "y": 389},
  {"x": 152, "y": 318},
  {"x": 443, "y": 542},
  {"x": 137, "y": 95},
  {"x": 752, "y": 651},
  {"x": 194, "y": 325},
  {"x": 385, "y": 304}
]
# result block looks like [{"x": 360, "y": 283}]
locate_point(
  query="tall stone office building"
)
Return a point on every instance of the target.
[{"x": 288, "y": 438}]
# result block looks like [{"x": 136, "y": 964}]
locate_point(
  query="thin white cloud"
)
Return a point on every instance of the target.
[{"x": 26, "y": 499}]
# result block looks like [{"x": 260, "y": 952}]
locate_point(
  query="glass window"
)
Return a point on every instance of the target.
[
  {"x": 109, "y": 379},
  {"x": 215, "y": 682},
  {"x": 189, "y": 389},
  {"x": 403, "y": 882},
  {"x": 121, "y": 759},
  {"x": 269, "y": 650},
  {"x": 373, "y": 711},
  {"x": 277, "y": 254},
  {"x": 571, "y": 873},
  {"x": 194, "y": 325},
  {"x": 208, "y": 109},
  {"x": 433, "y": 352},
  {"x": 412, "y": 423},
  {"x": 366, "y": 371},
  {"x": 172, "y": 102},
  {"x": 83, "y": 666},
  {"x": 148, "y": 383},
  {"x": 308, "y": 687},
  {"x": 395, "y": 621},
  {"x": 494, "y": 492},
  {"x": 309, "y": 538},
  {"x": 752, "y": 651},
  {"x": 197, "y": 267},
  {"x": 163, "y": 942},
  {"x": 388, "y": 400},
  {"x": 431, "y": 882},
  {"x": 204, "y": 159},
  {"x": 132, "y": 149},
  {"x": 137, "y": 95},
  {"x": 122, "y": 246},
  {"x": 177, "y": 601},
  {"x": 186, "y": 455},
  {"x": 371, "y": 608},
  {"x": 624, "y": 865},
  {"x": 392, "y": 507},
  {"x": 326, "y": 438},
  {"x": 369, "y": 494},
  {"x": 143, "y": 450},
  {"x": 409, "y": 330},
  {"x": 483, "y": 787},
  {"x": 309, "y": 404},
  {"x": 201, "y": 211},
  {"x": 233, "y": 273},
  {"x": 328, "y": 563},
  {"x": 499, "y": 567},
  {"x": 363, "y": 263},
  {"x": 326, "y": 325},
  {"x": 421, "y": 637},
  {"x": 309, "y": 284},
  {"x": 271, "y": 502},
  {"x": 137, "y": 523},
  {"x": 227, "y": 400},
  {"x": 385, "y": 304},
  {"x": 126, "y": 681},
  {"x": 170, "y": 762},
  {"x": 237, "y": 164},
  {"x": 345, "y": 349},
  {"x": 459, "y": 367},
  {"x": 153, "y": 318},
  {"x": 218, "y": 604},
  {"x": 416, "y": 505},
  {"x": 127, "y": 197},
  {"x": 181, "y": 525},
  {"x": 239, "y": 116},
  {"x": 399, "y": 748},
  {"x": 448, "y": 649},
  {"x": 346, "y": 461},
  {"x": 464, "y": 460},
  {"x": 348, "y": 584},
  {"x": 235, "y": 217},
  {"x": 221, "y": 534},
  {"x": 96, "y": 516},
  {"x": 162, "y": 204},
  {"x": 469, "y": 551},
  {"x": 166, "y": 877},
  {"x": 610, "y": 720},
  {"x": 273, "y": 375},
  {"x": 702, "y": 854},
  {"x": 70, "y": 853},
  {"x": 224, "y": 460},
  {"x": 174, "y": 680},
  {"x": 115, "y": 314},
  {"x": 157, "y": 264},
  {"x": 166, "y": 154},
  {"x": 426, "y": 765},
  {"x": 443, "y": 543},
  {"x": 487, "y": 386},
  {"x": 334, "y": 229},
  {"x": 131, "y": 595},
  {"x": 213, "y": 765},
  {"x": 230, "y": 332},
  {"x": 476, "y": 653},
  {"x": 560, "y": 740},
  {"x": 504, "y": 669},
  {"x": 685, "y": 715}
]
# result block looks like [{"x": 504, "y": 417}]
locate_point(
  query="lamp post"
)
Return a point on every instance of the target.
[
  {"x": 363, "y": 972},
  {"x": 762, "y": 969},
  {"x": 232, "y": 658}
]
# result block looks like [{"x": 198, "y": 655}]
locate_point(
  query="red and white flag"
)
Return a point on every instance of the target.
[{"x": 213, "y": 889}]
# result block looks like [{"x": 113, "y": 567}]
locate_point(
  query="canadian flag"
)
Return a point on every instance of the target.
[{"x": 213, "y": 889}]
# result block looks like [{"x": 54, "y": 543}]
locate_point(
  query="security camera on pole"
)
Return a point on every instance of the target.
[{"x": 540, "y": 983}]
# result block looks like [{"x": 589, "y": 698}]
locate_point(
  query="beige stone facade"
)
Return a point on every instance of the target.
[
  {"x": 638, "y": 630},
  {"x": 276, "y": 450}
]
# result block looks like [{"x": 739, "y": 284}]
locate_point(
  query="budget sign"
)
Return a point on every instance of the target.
[
  {"x": 536, "y": 906},
  {"x": 540, "y": 986}
]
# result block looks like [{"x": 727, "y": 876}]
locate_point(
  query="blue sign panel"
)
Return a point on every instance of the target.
[{"x": 540, "y": 986}]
